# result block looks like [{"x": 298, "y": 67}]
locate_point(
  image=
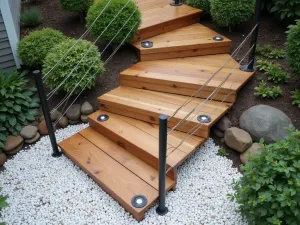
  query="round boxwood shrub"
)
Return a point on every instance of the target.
[
  {"x": 293, "y": 47},
  {"x": 268, "y": 192},
  {"x": 58, "y": 75},
  {"x": 200, "y": 4},
  {"x": 231, "y": 12},
  {"x": 108, "y": 15},
  {"x": 33, "y": 48},
  {"x": 76, "y": 5}
]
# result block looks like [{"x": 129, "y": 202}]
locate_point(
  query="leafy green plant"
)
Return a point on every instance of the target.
[
  {"x": 293, "y": 47},
  {"x": 231, "y": 12},
  {"x": 17, "y": 104},
  {"x": 130, "y": 12},
  {"x": 268, "y": 51},
  {"x": 31, "y": 17},
  {"x": 3, "y": 203},
  {"x": 223, "y": 152},
  {"x": 268, "y": 192},
  {"x": 200, "y": 4},
  {"x": 76, "y": 5},
  {"x": 263, "y": 65},
  {"x": 267, "y": 92},
  {"x": 276, "y": 75},
  {"x": 296, "y": 97},
  {"x": 286, "y": 9},
  {"x": 89, "y": 68},
  {"x": 33, "y": 48}
]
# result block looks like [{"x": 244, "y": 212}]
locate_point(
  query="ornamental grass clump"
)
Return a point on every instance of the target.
[
  {"x": 130, "y": 12},
  {"x": 34, "y": 48},
  {"x": 268, "y": 193},
  {"x": 81, "y": 65},
  {"x": 31, "y": 17}
]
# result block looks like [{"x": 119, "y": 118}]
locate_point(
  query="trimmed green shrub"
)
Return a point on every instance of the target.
[
  {"x": 200, "y": 4},
  {"x": 264, "y": 91},
  {"x": 17, "y": 104},
  {"x": 31, "y": 17},
  {"x": 110, "y": 12},
  {"x": 33, "y": 48},
  {"x": 76, "y": 5},
  {"x": 61, "y": 72},
  {"x": 268, "y": 192},
  {"x": 293, "y": 47},
  {"x": 231, "y": 12}
]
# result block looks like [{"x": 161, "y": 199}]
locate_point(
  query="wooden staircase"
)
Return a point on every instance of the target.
[{"x": 121, "y": 154}]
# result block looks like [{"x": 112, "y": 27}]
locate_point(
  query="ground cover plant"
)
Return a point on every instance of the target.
[
  {"x": 264, "y": 91},
  {"x": 296, "y": 98},
  {"x": 269, "y": 52}
]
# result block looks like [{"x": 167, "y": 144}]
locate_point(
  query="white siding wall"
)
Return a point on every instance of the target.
[{"x": 15, "y": 9}]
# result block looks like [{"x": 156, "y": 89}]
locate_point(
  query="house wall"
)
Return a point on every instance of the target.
[{"x": 15, "y": 9}]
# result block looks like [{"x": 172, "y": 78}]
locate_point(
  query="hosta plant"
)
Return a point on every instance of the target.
[
  {"x": 296, "y": 97},
  {"x": 268, "y": 192},
  {"x": 264, "y": 91},
  {"x": 18, "y": 105}
]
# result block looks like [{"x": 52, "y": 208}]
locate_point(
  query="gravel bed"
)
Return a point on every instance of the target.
[{"x": 46, "y": 190}]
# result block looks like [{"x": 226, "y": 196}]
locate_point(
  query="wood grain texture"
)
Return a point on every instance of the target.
[
  {"x": 185, "y": 76},
  {"x": 148, "y": 105},
  {"x": 113, "y": 177}
]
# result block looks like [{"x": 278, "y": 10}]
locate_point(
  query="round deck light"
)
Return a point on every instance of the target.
[
  {"x": 147, "y": 44},
  {"x": 103, "y": 117},
  {"x": 218, "y": 38},
  {"x": 139, "y": 201},
  {"x": 204, "y": 119}
]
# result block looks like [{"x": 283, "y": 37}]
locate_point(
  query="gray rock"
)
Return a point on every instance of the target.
[
  {"x": 28, "y": 132},
  {"x": 223, "y": 124},
  {"x": 3, "y": 159},
  {"x": 43, "y": 128},
  {"x": 15, "y": 150},
  {"x": 34, "y": 139},
  {"x": 84, "y": 118},
  {"x": 265, "y": 122},
  {"x": 12, "y": 142},
  {"x": 218, "y": 133},
  {"x": 55, "y": 115},
  {"x": 86, "y": 108},
  {"x": 63, "y": 122},
  {"x": 253, "y": 150},
  {"x": 73, "y": 122},
  {"x": 237, "y": 139},
  {"x": 74, "y": 112}
]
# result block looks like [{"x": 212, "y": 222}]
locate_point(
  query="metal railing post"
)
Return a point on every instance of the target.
[
  {"x": 46, "y": 112},
  {"x": 163, "y": 129},
  {"x": 250, "y": 67},
  {"x": 176, "y": 3}
]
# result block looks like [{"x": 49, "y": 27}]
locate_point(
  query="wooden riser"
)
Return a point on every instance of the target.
[
  {"x": 193, "y": 40},
  {"x": 148, "y": 105},
  {"x": 118, "y": 172},
  {"x": 159, "y": 17},
  {"x": 186, "y": 75},
  {"x": 141, "y": 139}
]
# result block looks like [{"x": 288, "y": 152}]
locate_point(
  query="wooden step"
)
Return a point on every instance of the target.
[
  {"x": 141, "y": 139},
  {"x": 148, "y": 105},
  {"x": 185, "y": 76},
  {"x": 193, "y": 40},
  {"x": 158, "y": 17},
  {"x": 118, "y": 172}
]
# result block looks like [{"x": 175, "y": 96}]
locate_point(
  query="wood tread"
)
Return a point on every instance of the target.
[
  {"x": 116, "y": 170},
  {"x": 186, "y": 75}
]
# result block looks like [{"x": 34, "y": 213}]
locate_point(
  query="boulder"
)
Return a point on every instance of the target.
[
  {"x": 86, "y": 108},
  {"x": 12, "y": 142},
  {"x": 3, "y": 159},
  {"x": 15, "y": 150},
  {"x": 43, "y": 130},
  {"x": 73, "y": 122},
  {"x": 29, "y": 132},
  {"x": 74, "y": 112},
  {"x": 55, "y": 115},
  {"x": 265, "y": 122},
  {"x": 34, "y": 139},
  {"x": 253, "y": 150},
  {"x": 84, "y": 118},
  {"x": 237, "y": 139},
  {"x": 218, "y": 133},
  {"x": 223, "y": 124},
  {"x": 63, "y": 122}
]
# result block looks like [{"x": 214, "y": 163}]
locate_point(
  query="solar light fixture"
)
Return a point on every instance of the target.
[
  {"x": 103, "y": 117},
  {"x": 147, "y": 44},
  {"x": 218, "y": 38},
  {"x": 204, "y": 119},
  {"x": 139, "y": 201}
]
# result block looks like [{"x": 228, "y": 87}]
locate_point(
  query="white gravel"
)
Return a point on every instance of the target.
[{"x": 46, "y": 190}]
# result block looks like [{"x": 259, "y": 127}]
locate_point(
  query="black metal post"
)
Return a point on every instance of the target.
[
  {"x": 163, "y": 129},
  {"x": 250, "y": 67},
  {"x": 176, "y": 3},
  {"x": 46, "y": 112}
]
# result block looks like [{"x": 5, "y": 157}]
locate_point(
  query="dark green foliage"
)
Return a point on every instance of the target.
[
  {"x": 268, "y": 193},
  {"x": 296, "y": 97},
  {"x": 33, "y": 48},
  {"x": 293, "y": 47},
  {"x": 59, "y": 74},
  {"x": 200, "y": 4},
  {"x": 17, "y": 104},
  {"x": 110, "y": 12},
  {"x": 3, "y": 204},
  {"x": 31, "y": 17},
  {"x": 223, "y": 152},
  {"x": 286, "y": 9},
  {"x": 231, "y": 12},
  {"x": 76, "y": 5},
  {"x": 269, "y": 52},
  {"x": 263, "y": 65},
  {"x": 276, "y": 75},
  {"x": 264, "y": 91}
]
